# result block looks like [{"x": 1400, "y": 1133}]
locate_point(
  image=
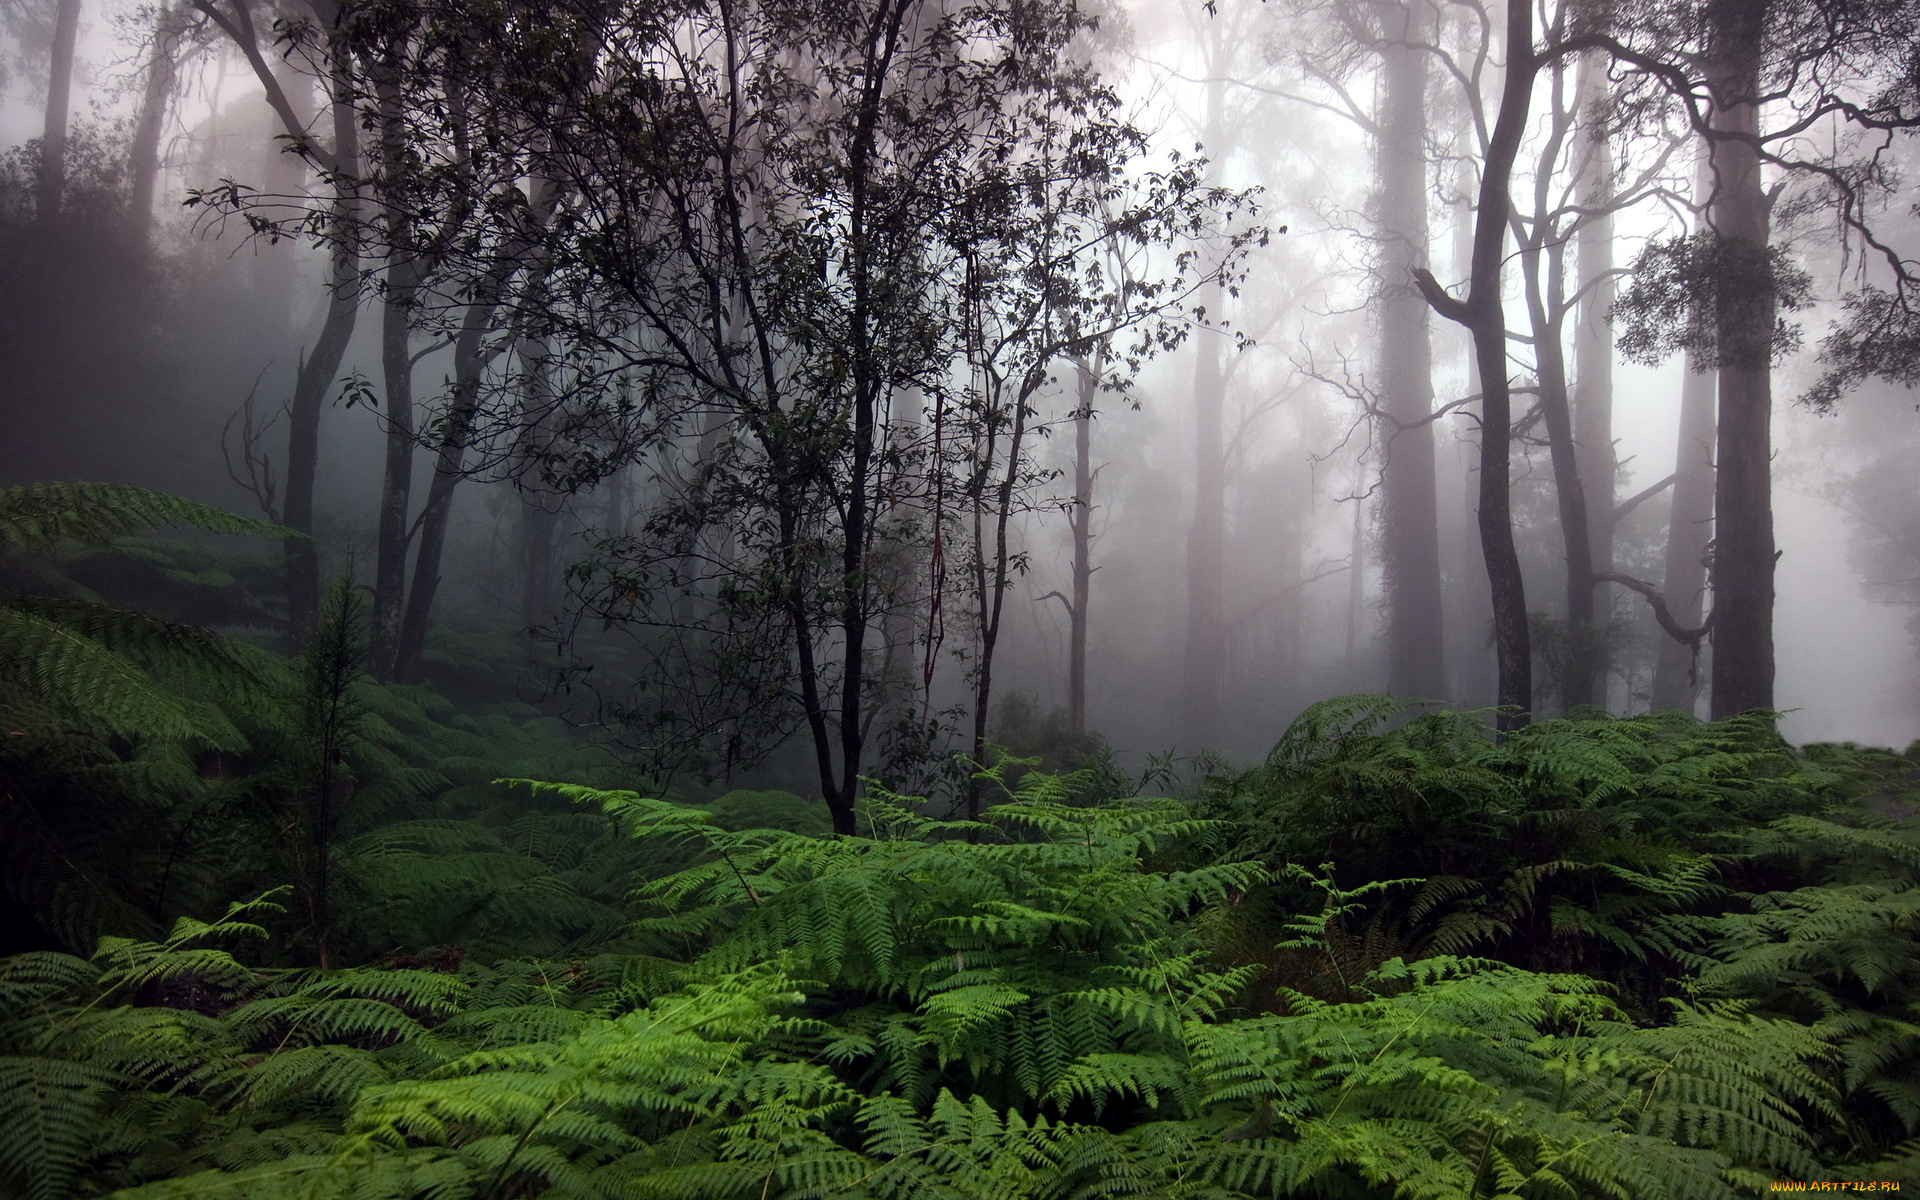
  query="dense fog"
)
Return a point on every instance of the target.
[{"x": 1240, "y": 474}]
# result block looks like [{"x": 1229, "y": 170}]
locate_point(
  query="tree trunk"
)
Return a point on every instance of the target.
[
  {"x": 1080, "y": 521},
  {"x": 317, "y": 372},
  {"x": 396, "y": 369},
  {"x": 143, "y": 165},
  {"x": 1743, "y": 555},
  {"x": 1593, "y": 342},
  {"x": 469, "y": 359},
  {"x": 1206, "y": 547},
  {"x": 1676, "y": 682},
  {"x": 396, "y": 484},
  {"x": 1545, "y": 304},
  {"x": 1206, "y": 649},
  {"x": 53, "y": 141},
  {"x": 1410, "y": 530},
  {"x": 1484, "y": 315}
]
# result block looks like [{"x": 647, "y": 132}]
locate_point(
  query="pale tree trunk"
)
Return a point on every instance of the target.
[
  {"x": 1743, "y": 555},
  {"x": 1593, "y": 342},
  {"x": 1206, "y": 648},
  {"x": 156, "y": 93},
  {"x": 1676, "y": 681},
  {"x": 1080, "y": 522},
  {"x": 1474, "y": 672},
  {"x": 53, "y": 140},
  {"x": 1409, "y": 522},
  {"x": 1206, "y": 546}
]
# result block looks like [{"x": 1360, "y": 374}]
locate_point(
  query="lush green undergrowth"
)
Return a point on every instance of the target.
[
  {"x": 1601, "y": 958},
  {"x": 1639, "y": 958}
]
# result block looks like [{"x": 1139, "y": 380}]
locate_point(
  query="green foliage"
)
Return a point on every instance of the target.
[{"x": 574, "y": 991}]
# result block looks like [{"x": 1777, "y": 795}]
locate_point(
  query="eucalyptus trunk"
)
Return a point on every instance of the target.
[
  {"x": 1409, "y": 521},
  {"x": 1743, "y": 555},
  {"x": 1593, "y": 342},
  {"x": 53, "y": 138}
]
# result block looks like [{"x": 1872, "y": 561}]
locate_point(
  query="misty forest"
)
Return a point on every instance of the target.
[{"x": 1001, "y": 599}]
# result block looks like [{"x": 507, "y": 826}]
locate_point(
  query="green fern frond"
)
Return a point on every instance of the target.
[{"x": 92, "y": 512}]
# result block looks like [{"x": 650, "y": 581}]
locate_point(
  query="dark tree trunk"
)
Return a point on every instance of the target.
[
  {"x": 1409, "y": 522},
  {"x": 396, "y": 484},
  {"x": 1576, "y": 687},
  {"x": 469, "y": 359},
  {"x": 322, "y": 365},
  {"x": 53, "y": 139},
  {"x": 396, "y": 369},
  {"x": 1593, "y": 344},
  {"x": 992, "y": 575},
  {"x": 1483, "y": 313},
  {"x": 1743, "y": 554}
]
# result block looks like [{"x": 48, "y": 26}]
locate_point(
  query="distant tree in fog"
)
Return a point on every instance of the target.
[{"x": 1754, "y": 77}]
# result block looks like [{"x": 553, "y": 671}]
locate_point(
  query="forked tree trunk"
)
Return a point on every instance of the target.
[{"x": 1484, "y": 315}]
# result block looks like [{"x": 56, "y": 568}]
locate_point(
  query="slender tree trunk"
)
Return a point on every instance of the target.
[
  {"x": 396, "y": 484},
  {"x": 1743, "y": 556},
  {"x": 1483, "y": 313},
  {"x": 1593, "y": 341},
  {"x": 53, "y": 140},
  {"x": 1410, "y": 530},
  {"x": 1546, "y": 308},
  {"x": 469, "y": 359},
  {"x": 1676, "y": 681},
  {"x": 143, "y": 166},
  {"x": 1206, "y": 547},
  {"x": 396, "y": 369},
  {"x": 322, "y": 365},
  {"x": 1080, "y": 522},
  {"x": 1206, "y": 649},
  {"x": 1474, "y": 673}
]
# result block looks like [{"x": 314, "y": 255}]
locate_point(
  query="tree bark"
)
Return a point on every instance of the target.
[
  {"x": 1593, "y": 342},
  {"x": 143, "y": 165},
  {"x": 1676, "y": 682},
  {"x": 1743, "y": 556},
  {"x": 396, "y": 483},
  {"x": 53, "y": 139},
  {"x": 469, "y": 359},
  {"x": 1483, "y": 313},
  {"x": 1206, "y": 649},
  {"x": 1410, "y": 530},
  {"x": 1080, "y": 522},
  {"x": 317, "y": 373}
]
